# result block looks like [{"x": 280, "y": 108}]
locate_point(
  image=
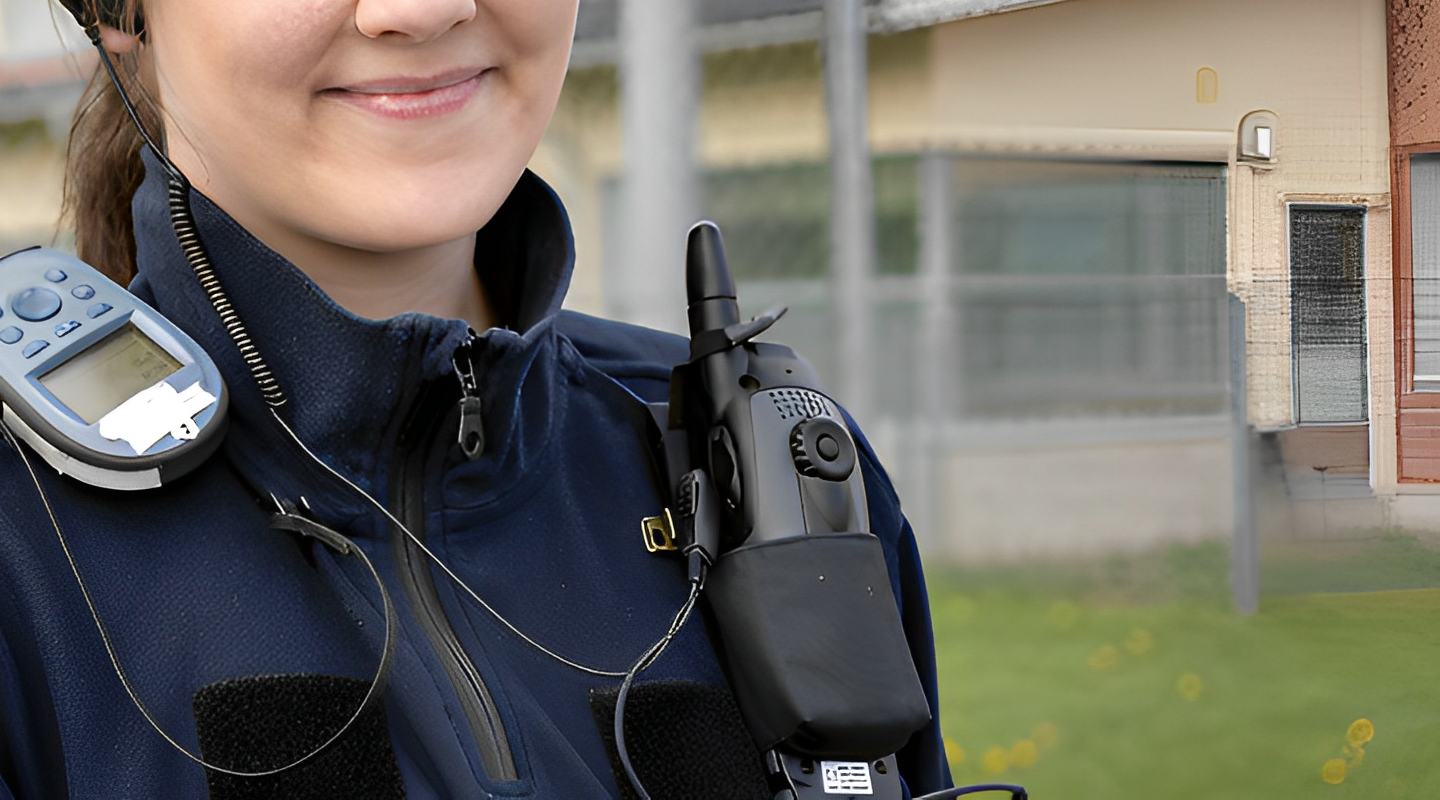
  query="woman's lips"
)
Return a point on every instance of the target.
[{"x": 406, "y": 98}]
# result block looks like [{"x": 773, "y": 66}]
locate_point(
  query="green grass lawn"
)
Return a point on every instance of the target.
[{"x": 1133, "y": 678}]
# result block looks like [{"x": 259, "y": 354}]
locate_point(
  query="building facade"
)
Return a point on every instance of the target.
[{"x": 1065, "y": 194}]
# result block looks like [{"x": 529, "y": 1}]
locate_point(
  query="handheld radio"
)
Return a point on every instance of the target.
[
  {"x": 102, "y": 386},
  {"x": 799, "y": 589}
]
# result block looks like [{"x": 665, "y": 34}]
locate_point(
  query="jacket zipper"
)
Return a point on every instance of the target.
[
  {"x": 421, "y": 433},
  {"x": 472, "y": 432}
]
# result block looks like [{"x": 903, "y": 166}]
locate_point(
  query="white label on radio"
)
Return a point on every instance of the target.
[
  {"x": 846, "y": 777},
  {"x": 147, "y": 417}
]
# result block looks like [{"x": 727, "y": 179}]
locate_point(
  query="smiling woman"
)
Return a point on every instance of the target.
[
  {"x": 341, "y": 186},
  {"x": 308, "y": 122}
]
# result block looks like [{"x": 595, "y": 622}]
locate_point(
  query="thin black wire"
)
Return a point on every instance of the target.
[
  {"x": 430, "y": 554},
  {"x": 645, "y": 661},
  {"x": 377, "y": 683},
  {"x": 170, "y": 168},
  {"x": 657, "y": 649}
]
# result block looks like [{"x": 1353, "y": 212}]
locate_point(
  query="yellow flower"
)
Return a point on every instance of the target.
[
  {"x": 1045, "y": 734},
  {"x": 1139, "y": 642},
  {"x": 954, "y": 752},
  {"x": 1190, "y": 686},
  {"x": 1334, "y": 771},
  {"x": 1024, "y": 753},
  {"x": 1107, "y": 657},
  {"x": 1360, "y": 731},
  {"x": 997, "y": 760}
]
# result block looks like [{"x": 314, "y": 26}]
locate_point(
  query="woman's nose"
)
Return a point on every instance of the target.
[{"x": 418, "y": 20}]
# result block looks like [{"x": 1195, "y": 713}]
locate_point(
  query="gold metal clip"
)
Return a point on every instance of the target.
[{"x": 659, "y": 533}]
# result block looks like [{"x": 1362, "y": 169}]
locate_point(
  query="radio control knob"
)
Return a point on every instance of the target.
[{"x": 821, "y": 448}]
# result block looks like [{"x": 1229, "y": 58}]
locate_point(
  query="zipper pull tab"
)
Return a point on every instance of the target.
[{"x": 472, "y": 430}]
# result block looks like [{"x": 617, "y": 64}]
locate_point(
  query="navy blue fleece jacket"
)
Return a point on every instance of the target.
[{"x": 198, "y": 590}]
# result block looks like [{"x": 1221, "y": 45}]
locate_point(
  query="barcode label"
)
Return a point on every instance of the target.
[{"x": 846, "y": 777}]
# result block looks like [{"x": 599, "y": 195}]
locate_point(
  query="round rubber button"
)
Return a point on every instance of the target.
[
  {"x": 826, "y": 447},
  {"x": 82, "y": 292},
  {"x": 34, "y": 305},
  {"x": 55, "y": 275}
]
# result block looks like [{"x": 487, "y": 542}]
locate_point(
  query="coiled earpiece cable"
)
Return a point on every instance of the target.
[{"x": 183, "y": 221}]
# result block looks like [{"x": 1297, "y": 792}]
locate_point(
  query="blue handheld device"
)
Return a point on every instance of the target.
[{"x": 102, "y": 386}]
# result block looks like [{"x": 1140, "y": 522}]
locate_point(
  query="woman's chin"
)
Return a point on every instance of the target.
[
  {"x": 400, "y": 227},
  {"x": 404, "y": 216},
  {"x": 403, "y": 240}
]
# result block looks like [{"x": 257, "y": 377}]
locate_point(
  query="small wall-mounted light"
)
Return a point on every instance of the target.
[
  {"x": 1257, "y": 137},
  {"x": 1207, "y": 85}
]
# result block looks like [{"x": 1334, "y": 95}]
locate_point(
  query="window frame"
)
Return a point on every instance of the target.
[
  {"x": 1290, "y": 207},
  {"x": 1417, "y": 428}
]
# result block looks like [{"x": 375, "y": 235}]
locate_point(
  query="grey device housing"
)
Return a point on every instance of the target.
[
  {"x": 800, "y": 592},
  {"x": 58, "y": 434}
]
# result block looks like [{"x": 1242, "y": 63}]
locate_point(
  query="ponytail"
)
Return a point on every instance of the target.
[{"x": 102, "y": 163}]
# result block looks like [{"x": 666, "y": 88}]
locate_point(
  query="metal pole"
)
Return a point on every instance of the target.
[
  {"x": 660, "y": 101},
  {"x": 852, "y": 202},
  {"x": 1245, "y": 552},
  {"x": 936, "y": 367}
]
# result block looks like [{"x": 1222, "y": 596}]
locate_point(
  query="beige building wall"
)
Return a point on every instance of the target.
[{"x": 1118, "y": 78}]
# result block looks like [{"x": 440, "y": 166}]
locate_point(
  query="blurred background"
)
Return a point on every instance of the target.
[{"x": 1137, "y": 299}]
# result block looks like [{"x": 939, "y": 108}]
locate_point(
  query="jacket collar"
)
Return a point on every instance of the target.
[{"x": 350, "y": 381}]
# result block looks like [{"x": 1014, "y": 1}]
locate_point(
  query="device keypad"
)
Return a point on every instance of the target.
[{"x": 38, "y": 304}]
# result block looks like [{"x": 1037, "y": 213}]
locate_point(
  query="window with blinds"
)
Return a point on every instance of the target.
[
  {"x": 1425, "y": 267},
  {"x": 1327, "y": 313}
]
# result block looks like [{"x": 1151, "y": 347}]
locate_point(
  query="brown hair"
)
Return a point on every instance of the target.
[{"x": 102, "y": 163}]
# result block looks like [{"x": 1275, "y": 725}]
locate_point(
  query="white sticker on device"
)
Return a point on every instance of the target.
[
  {"x": 846, "y": 777},
  {"x": 147, "y": 417}
]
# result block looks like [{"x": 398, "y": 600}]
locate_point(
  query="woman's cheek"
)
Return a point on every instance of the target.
[{"x": 537, "y": 23}]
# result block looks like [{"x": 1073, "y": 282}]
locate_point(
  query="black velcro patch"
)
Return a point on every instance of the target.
[
  {"x": 258, "y": 723},
  {"x": 686, "y": 741}
]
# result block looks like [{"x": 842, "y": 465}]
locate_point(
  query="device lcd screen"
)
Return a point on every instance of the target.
[{"x": 109, "y": 372}]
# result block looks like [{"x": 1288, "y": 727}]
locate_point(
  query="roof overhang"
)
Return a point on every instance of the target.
[
  {"x": 900, "y": 15},
  {"x": 739, "y": 24}
]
